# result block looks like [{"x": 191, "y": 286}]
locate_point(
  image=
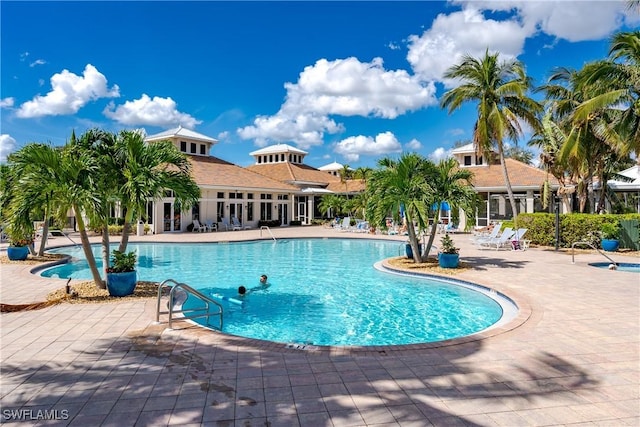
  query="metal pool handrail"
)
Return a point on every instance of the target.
[
  {"x": 264, "y": 227},
  {"x": 199, "y": 312},
  {"x": 573, "y": 246}
]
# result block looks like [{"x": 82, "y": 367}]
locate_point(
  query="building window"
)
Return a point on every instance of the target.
[
  {"x": 203, "y": 149},
  {"x": 195, "y": 211},
  {"x": 266, "y": 210},
  {"x": 259, "y": 159},
  {"x": 149, "y": 218},
  {"x": 220, "y": 195},
  {"x": 250, "y": 211},
  {"x": 193, "y": 148},
  {"x": 282, "y": 157},
  {"x": 220, "y": 211},
  {"x": 183, "y": 146},
  {"x": 250, "y": 196},
  {"x": 478, "y": 160},
  {"x": 270, "y": 158},
  {"x": 467, "y": 160},
  {"x": 265, "y": 196},
  {"x": 283, "y": 197}
]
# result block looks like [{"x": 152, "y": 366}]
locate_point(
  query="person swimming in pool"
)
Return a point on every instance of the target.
[{"x": 243, "y": 291}]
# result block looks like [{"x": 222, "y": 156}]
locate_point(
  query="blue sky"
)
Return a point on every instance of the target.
[{"x": 344, "y": 81}]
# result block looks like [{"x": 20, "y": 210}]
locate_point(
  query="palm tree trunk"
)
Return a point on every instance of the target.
[
  {"x": 124, "y": 241},
  {"x": 413, "y": 239},
  {"x": 105, "y": 250},
  {"x": 507, "y": 183},
  {"x": 86, "y": 247},
  {"x": 432, "y": 233},
  {"x": 45, "y": 232}
]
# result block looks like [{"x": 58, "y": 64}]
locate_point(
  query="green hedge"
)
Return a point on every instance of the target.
[{"x": 573, "y": 227}]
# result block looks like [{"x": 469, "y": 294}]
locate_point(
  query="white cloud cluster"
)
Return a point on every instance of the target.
[
  {"x": 344, "y": 87},
  {"x": 69, "y": 92},
  {"x": 355, "y": 146},
  {"x": 147, "y": 111},
  {"x": 7, "y": 146},
  {"x": 440, "y": 153},
  {"x": 7, "y": 102}
]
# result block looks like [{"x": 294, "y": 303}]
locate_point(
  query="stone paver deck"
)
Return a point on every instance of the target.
[{"x": 572, "y": 358}]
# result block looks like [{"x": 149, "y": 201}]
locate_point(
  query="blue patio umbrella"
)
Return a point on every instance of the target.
[{"x": 443, "y": 206}]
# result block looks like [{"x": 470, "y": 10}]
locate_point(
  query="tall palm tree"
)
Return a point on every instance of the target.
[
  {"x": 401, "y": 185},
  {"x": 331, "y": 203},
  {"x": 345, "y": 175},
  {"x": 145, "y": 171},
  {"x": 500, "y": 91},
  {"x": 614, "y": 94}
]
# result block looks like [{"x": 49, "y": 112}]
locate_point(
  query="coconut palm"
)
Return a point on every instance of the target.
[
  {"x": 500, "y": 91},
  {"x": 145, "y": 171},
  {"x": 346, "y": 173},
  {"x": 401, "y": 185},
  {"x": 331, "y": 203},
  {"x": 613, "y": 87}
]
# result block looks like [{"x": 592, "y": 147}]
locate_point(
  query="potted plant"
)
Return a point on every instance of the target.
[
  {"x": 610, "y": 232},
  {"x": 20, "y": 241},
  {"x": 121, "y": 274},
  {"x": 448, "y": 256}
]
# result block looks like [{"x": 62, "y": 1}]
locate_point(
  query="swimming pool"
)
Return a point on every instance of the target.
[
  {"x": 621, "y": 266},
  {"x": 323, "y": 291}
]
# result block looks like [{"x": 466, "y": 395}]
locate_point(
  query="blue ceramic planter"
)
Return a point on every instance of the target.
[
  {"x": 121, "y": 284},
  {"x": 17, "y": 253},
  {"x": 610, "y": 245},
  {"x": 448, "y": 260}
]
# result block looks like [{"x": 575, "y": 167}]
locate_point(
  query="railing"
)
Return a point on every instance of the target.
[
  {"x": 264, "y": 227},
  {"x": 191, "y": 313},
  {"x": 573, "y": 246}
]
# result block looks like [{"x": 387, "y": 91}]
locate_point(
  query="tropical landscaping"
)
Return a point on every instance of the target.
[{"x": 586, "y": 127}]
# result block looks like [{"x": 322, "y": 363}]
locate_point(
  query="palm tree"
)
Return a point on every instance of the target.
[
  {"x": 499, "y": 89},
  {"x": 401, "y": 185},
  {"x": 345, "y": 175},
  {"x": 331, "y": 203},
  {"x": 613, "y": 87},
  {"x": 39, "y": 167},
  {"x": 145, "y": 171},
  {"x": 448, "y": 182}
]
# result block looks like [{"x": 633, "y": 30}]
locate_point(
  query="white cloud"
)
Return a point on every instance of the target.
[
  {"x": 413, "y": 145},
  {"x": 37, "y": 62},
  {"x": 7, "y": 102},
  {"x": 223, "y": 135},
  {"x": 353, "y": 147},
  {"x": 439, "y": 154},
  {"x": 569, "y": 20},
  {"x": 69, "y": 93},
  {"x": 462, "y": 33},
  {"x": 344, "y": 87},
  {"x": 146, "y": 111},
  {"x": 456, "y": 132},
  {"x": 7, "y": 146}
]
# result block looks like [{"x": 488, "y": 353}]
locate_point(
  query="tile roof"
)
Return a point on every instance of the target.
[
  {"x": 289, "y": 172},
  {"x": 521, "y": 175},
  {"x": 215, "y": 172},
  {"x": 352, "y": 186}
]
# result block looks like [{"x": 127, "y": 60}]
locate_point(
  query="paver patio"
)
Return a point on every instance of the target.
[{"x": 572, "y": 358}]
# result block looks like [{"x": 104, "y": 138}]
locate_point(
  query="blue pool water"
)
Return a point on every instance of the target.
[
  {"x": 622, "y": 266},
  {"x": 323, "y": 291}
]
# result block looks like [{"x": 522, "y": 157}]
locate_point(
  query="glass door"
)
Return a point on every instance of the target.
[{"x": 172, "y": 220}]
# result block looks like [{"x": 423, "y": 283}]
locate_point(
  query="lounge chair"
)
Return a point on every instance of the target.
[
  {"x": 517, "y": 243},
  {"x": 476, "y": 240},
  {"x": 502, "y": 242},
  {"x": 197, "y": 227},
  {"x": 211, "y": 225},
  {"x": 235, "y": 224},
  {"x": 225, "y": 224}
]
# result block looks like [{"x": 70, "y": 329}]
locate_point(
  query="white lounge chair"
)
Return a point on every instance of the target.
[
  {"x": 211, "y": 225},
  {"x": 197, "y": 227},
  {"x": 476, "y": 240},
  {"x": 517, "y": 242},
  {"x": 225, "y": 224},
  {"x": 235, "y": 224},
  {"x": 502, "y": 242}
]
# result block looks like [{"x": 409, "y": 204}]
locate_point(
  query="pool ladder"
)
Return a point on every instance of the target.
[
  {"x": 573, "y": 246},
  {"x": 190, "y": 313},
  {"x": 264, "y": 227}
]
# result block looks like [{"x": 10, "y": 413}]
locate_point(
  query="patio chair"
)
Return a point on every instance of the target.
[
  {"x": 517, "y": 243},
  {"x": 235, "y": 224},
  {"x": 476, "y": 240},
  {"x": 211, "y": 225},
  {"x": 197, "y": 227},
  {"x": 502, "y": 242}
]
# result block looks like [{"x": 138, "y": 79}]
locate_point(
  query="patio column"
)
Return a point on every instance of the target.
[{"x": 529, "y": 201}]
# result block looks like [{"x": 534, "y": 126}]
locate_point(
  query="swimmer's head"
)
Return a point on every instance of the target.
[
  {"x": 242, "y": 290},
  {"x": 263, "y": 278}
]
